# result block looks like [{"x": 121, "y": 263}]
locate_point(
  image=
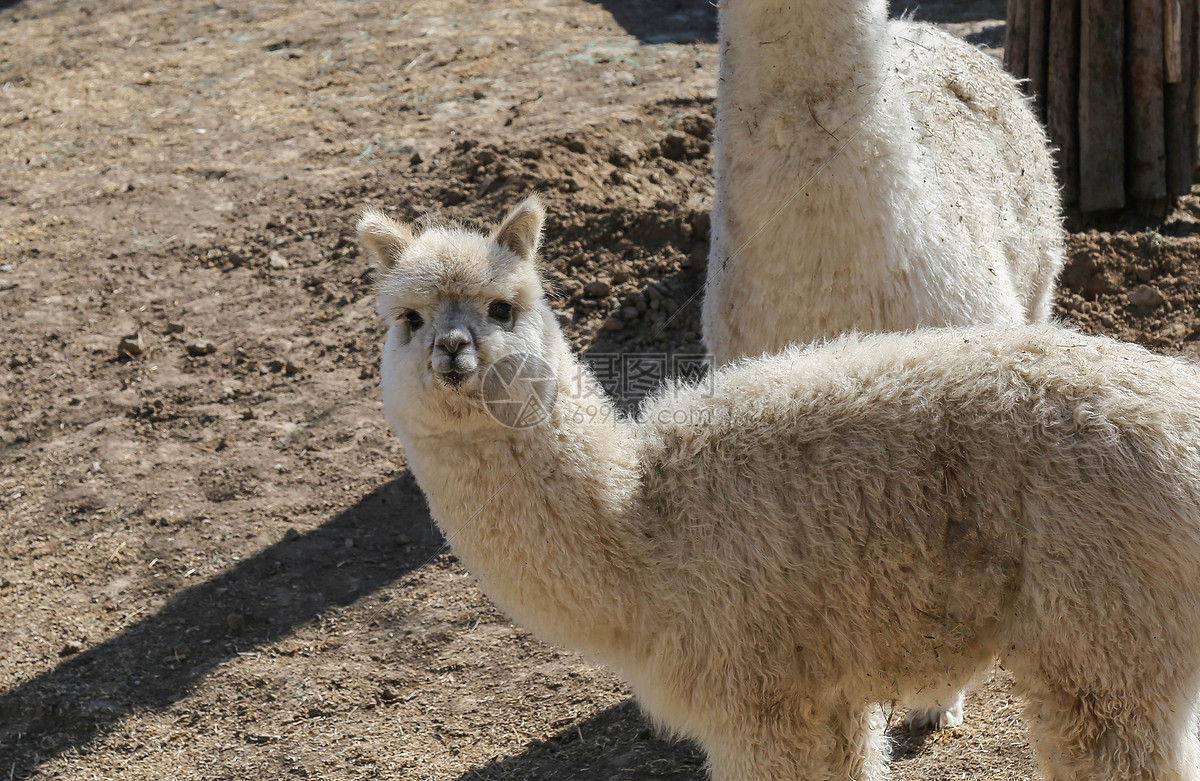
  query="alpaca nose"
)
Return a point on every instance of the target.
[{"x": 453, "y": 340}]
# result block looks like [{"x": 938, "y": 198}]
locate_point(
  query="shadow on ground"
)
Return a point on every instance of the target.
[
  {"x": 949, "y": 12},
  {"x": 619, "y": 743},
  {"x": 615, "y": 743},
  {"x": 283, "y": 587},
  {"x": 665, "y": 21}
]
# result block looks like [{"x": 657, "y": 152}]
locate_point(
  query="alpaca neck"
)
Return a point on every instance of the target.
[
  {"x": 543, "y": 516},
  {"x": 800, "y": 51}
]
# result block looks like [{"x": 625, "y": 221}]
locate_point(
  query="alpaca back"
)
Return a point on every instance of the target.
[
  {"x": 901, "y": 487},
  {"x": 973, "y": 119}
]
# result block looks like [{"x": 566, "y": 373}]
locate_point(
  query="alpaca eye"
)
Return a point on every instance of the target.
[
  {"x": 414, "y": 320},
  {"x": 500, "y": 310}
]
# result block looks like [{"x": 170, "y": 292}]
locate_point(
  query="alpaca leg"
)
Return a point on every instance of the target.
[
  {"x": 1112, "y": 736},
  {"x": 847, "y": 745},
  {"x": 940, "y": 713}
]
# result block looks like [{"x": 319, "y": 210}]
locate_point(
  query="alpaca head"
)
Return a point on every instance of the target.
[{"x": 471, "y": 341}]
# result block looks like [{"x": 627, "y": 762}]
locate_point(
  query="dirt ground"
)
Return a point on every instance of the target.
[{"x": 213, "y": 563}]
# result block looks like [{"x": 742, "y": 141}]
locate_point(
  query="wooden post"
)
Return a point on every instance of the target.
[
  {"x": 1101, "y": 105},
  {"x": 1179, "y": 98},
  {"x": 1117, "y": 83},
  {"x": 1062, "y": 93},
  {"x": 1016, "y": 44},
  {"x": 1145, "y": 152},
  {"x": 1039, "y": 55},
  {"x": 1173, "y": 41}
]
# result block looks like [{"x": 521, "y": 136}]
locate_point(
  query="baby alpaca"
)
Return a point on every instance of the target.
[
  {"x": 818, "y": 531},
  {"x": 871, "y": 175}
]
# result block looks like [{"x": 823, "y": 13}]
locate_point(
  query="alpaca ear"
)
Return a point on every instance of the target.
[
  {"x": 384, "y": 239},
  {"x": 521, "y": 231}
]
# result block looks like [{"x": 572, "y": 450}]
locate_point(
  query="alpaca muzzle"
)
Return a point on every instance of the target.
[{"x": 454, "y": 357}]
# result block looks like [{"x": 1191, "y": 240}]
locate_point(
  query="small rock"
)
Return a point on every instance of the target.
[
  {"x": 277, "y": 261},
  {"x": 236, "y": 621},
  {"x": 571, "y": 289},
  {"x": 478, "y": 94},
  {"x": 131, "y": 346},
  {"x": 629, "y": 313},
  {"x": 416, "y": 159},
  {"x": 1072, "y": 302},
  {"x": 7, "y": 267},
  {"x": 1146, "y": 295},
  {"x": 200, "y": 347},
  {"x": 624, "y": 155},
  {"x": 675, "y": 146},
  {"x": 291, "y": 535},
  {"x": 614, "y": 324},
  {"x": 597, "y": 288},
  {"x": 1107, "y": 321},
  {"x": 285, "y": 365},
  {"x": 175, "y": 328},
  {"x": 620, "y": 277},
  {"x": 70, "y": 647}
]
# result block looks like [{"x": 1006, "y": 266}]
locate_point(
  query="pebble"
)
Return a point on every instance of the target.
[
  {"x": 285, "y": 365},
  {"x": 131, "y": 346},
  {"x": 572, "y": 289},
  {"x": 1146, "y": 295},
  {"x": 614, "y": 324},
  {"x": 624, "y": 155},
  {"x": 236, "y": 621},
  {"x": 277, "y": 261},
  {"x": 629, "y": 313},
  {"x": 291, "y": 535},
  {"x": 597, "y": 288},
  {"x": 6, "y": 267},
  {"x": 175, "y": 328},
  {"x": 201, "y": 347}
]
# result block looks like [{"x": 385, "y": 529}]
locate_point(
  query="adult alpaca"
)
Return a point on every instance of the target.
[
  {"x": 871, "y": 175},
  {"x": 823, "y": 529}
]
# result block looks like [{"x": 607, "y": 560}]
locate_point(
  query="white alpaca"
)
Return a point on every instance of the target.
[
  {"x": 821, "y": 530},
  {"x": 872, "y": 176},
  {"x": 932, "y": 199}
]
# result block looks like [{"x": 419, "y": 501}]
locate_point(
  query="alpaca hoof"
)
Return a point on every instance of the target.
[{"x": 935, "y": 718}]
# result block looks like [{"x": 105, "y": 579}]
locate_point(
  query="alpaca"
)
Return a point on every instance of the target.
[
  {"x": 932, "y": 199},
  {"x": 768, "y": 557},
  {"x": 871, "y": 175}
]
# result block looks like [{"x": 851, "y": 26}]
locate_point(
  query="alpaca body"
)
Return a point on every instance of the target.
[
  {"x": 873, "y": 176},
  {"x": 829, "y": 528}
]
